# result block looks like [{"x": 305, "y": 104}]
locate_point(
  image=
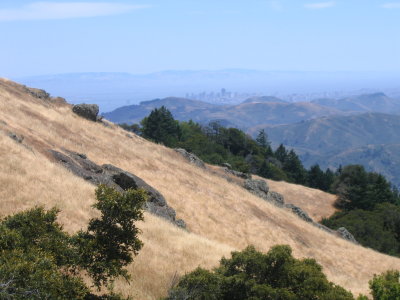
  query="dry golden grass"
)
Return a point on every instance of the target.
[
  {"x": 221, "y": 216},
  {"x": 316, "y": 203}
]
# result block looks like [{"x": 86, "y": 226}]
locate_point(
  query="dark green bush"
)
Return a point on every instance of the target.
[
  {"x": 38, "y": 260},
  {"x": 253, "y": 275},
  {"x": 386, "y": 286}
]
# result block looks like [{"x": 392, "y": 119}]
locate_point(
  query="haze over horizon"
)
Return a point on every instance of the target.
[{"x": 140, "y": 37}]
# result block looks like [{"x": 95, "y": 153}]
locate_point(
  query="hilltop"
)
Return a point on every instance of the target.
[{"x": 220, "y": 215}]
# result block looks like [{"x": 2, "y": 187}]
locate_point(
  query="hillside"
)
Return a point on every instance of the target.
[
  {"x": 252, "y": 112},
  {"x": 264, "y": 99},
  {"x": 370, "y": 139},
  {"x": 220, "y": 216},
  {"x": 377, "y": 102}
]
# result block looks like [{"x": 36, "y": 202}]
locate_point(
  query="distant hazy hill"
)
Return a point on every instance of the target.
[
  {"x": 112, "y": 90},
  {"x": 377, "y": 102},
  {"x": 370, "y": 139},
  {"x": 264, "y": 99},
  {"x": 251, "y": 113},
  {"x": 183, "y": 109}
]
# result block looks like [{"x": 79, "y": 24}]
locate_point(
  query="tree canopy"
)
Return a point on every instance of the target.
[
  {"x": 39, "y": 260},
  {"x": 161, "y": 127},
  {"x": 250, "y": 274}
]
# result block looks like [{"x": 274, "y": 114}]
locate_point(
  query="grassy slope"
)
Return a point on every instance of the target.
[
  {"x": 221, "y": 216},
  {"x": 316, "y": 203}
]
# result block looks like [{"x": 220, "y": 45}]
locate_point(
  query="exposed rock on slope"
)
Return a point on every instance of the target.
[
  {"x": 193, "y": 159},
  {"x": 237, "y": 173},
  {"x": 38, "y": 93},
  {"x": 257, "y": 187},
  {"x": 276, "y": 198},
  {"x": 117, "y": 178},
  {"x": 87, "y": 111},
  {"x": 299, "y": 212},
  {"x": 344, "y": 233},
  {"x": 260, "y": 188}
]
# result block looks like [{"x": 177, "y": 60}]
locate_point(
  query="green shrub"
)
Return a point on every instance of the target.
[
  {"x": 253, "y": 275},
  {"x": 386, "y": 286},
  {"x": 38, "y": 260}
]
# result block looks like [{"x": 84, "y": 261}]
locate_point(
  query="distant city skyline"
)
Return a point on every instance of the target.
[
  {"x": 138, "y": 37},
  {"x": 111, "y": 90}
]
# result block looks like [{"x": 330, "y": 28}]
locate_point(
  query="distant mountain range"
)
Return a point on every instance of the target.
[
  {"x": 369, "y": 139},
  {"x": 325, "y": 131},
  {"x": 257, "y": 112},
  {"x": 250, "y": 113},
  {"x": 113, "y": 90},
  {"x": 377, "y": 102}
]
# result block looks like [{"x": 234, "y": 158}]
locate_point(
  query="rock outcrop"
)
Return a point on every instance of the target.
[
  {"x": 193, "y": 159},
  {"x": 299, "y": 212},
  {"x": 87, "y": 111},
  {"x": 257, "y": 187},
  {"x": 38, "y": 93},
  {"x": 275, "y": 198},
  {"x": 15, "y": 137},
  {"x": 345, "y": 234},
  {"x": 227, "y": 165},
  {"x": 260, "y": 188},
  {"x": 237, "y": 173},
  {"x": 117, "y": 178}
]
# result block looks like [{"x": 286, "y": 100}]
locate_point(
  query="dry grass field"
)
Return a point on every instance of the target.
[
  {"x": 316, "y": 203},
  {"x": 221, "y": 216}
]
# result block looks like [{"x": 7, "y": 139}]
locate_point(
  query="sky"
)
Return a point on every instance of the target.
[{"x": 144, "y": 36}]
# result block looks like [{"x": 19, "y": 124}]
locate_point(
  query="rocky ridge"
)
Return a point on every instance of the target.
[
  {"x": 117, "y": 178},
  {"x": 260, "y": 188}
]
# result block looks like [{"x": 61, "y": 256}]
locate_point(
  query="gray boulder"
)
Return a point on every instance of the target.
[
  {"x": 275, "y": 198},
  {"x": 237, "y": 173},
  {"x": 193, "y": 159},
  {"x": 299, "y": 212},
  {"x": 156, "y": 203},
  {"x": 257, "y": 187},
  {"x": 15, "y": 137},
  {"x": 345, "y": 234},
  {"x": 38, "y": 93},
  {"x": 117, "y": 178},
  {"x": 324, "y": 228},
  {"x": 87, "y": 111},
  {"x": 260, "y": 188},
  {"x": 227, "y": 165}
]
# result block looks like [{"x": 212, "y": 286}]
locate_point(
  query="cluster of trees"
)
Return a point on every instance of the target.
[
  {"x": 276, "y": 275},
  {"x": 38, "y": 260},
  {"x": 370, "y": 209},
  {"x": 216, "y": 144}
]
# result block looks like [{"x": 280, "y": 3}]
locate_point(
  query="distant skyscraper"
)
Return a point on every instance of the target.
[{"x": 223, "y": 92}]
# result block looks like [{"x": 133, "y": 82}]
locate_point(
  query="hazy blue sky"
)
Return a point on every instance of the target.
[{"x": 152, "y": 35}]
